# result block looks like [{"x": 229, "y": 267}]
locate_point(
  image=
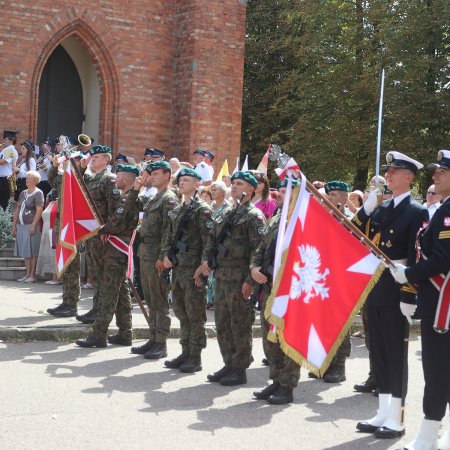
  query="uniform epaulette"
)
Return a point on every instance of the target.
[{"x": 409, "y": 289}]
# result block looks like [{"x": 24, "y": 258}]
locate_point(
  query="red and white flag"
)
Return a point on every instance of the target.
[
  {"x": 78, "y": 219},
  {"x": 324, "y": 276},
  {"x": 264, "y": 163}
]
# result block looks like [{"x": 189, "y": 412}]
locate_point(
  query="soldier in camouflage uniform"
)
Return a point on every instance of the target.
[
  {"x": 114, "y": 293},
  {"x": 104, "y": 193},
  {"x": 229, "y": 254},
  {"x": 284, "y": 371},
  {"x": 186, "y": 240},
  {"x": 71, "y": 276},
  {"x": 152, "y": 234}
]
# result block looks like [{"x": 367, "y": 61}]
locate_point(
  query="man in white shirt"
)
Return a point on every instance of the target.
[
  {"x": 208, "y": 159},
  {"x": 8, "y": 156},
  {"x": 433, "y": 200},
  {"x": 201, "y": 167}
]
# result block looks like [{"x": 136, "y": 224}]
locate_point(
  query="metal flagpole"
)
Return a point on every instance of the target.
[{"x": 380, "y": 121}]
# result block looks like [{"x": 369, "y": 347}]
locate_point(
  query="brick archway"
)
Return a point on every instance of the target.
[{"x": 109, "y": 84}]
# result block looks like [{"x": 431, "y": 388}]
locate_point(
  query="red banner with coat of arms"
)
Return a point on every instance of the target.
[{"x": 324, "y": 276}]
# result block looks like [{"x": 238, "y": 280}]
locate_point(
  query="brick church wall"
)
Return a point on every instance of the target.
[{"x": 170, "y": 72}]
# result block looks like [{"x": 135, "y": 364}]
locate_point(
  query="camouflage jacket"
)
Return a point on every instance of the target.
[
  {"x": 246, "y": 232},
  {"x": 104, "y": 192},
  {"x": 124, "y": 218},
  {"x": 155, "y": 226},
  {"x": 262, "y": 258},
  {"x": 55, "y": 181},
  {"x": 195, "y": 235}
]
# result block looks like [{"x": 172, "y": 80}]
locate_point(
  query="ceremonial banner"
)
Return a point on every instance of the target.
[
  {"x": 324, "y": 276},
  {"x": 264, "y": 164},
  {"x": 223, "y": 171},
  {"x": 245, "y": 165},
  {"x": 78, "y": 219}
]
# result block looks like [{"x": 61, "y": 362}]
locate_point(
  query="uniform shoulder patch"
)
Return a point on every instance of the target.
[
  {"x": 206, "y": 212},
  {"x": 171, "y": 202},
  {"x": 447, "y": 221}
]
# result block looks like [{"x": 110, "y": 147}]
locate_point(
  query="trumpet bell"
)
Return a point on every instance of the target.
[{"x": 84, "y": 140}]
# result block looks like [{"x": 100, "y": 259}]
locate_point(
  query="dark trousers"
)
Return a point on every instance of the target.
[
  {"x": 45, "y": 187},
  {"x": 387, "y": 329},
  {"x": 4, "y": 192},
  {"x": 436, "y": 370}
]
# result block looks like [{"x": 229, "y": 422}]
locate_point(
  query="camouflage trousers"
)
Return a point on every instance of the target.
[
  {"x": 234, "y": 319},
  {"x": 281, "y": 367},
  {"x": 342, "y": 353},
  {"x": 189, "y": 306},
  {"x": 94, "y": 260},
  {"x": 155, "y": 294},
  {"x": 71, "y": 281},
  {"x": 114, "y": 295}
]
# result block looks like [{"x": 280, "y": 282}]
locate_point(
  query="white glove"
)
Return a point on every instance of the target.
[
  {"x": 372, "y": 201},
  {"x": 399, "y": 273},
  {"x": 408, "y": 310}
]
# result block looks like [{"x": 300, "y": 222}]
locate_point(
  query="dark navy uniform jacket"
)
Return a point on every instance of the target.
[
  {"x": 394, "y": 231},
  {"x": 435, "y": 244}
]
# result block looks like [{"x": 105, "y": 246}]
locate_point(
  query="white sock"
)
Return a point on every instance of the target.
[
  {"x": 384, "y": 401},
  {"x": 394, "y": 416}
]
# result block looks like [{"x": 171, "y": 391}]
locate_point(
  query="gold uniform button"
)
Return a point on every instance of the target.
[
  {"x": 371, "y": 230},
  {"x": 391, "y": 231},
  {"x": 382, "y": 244}
]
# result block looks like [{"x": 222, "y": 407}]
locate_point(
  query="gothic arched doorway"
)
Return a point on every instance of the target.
[{"x": 60, "y": 97}]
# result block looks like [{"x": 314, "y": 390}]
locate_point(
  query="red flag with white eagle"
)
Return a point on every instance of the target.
[
  {"x": 324, "y": 276},
  {"x": 78, "y": 218}
]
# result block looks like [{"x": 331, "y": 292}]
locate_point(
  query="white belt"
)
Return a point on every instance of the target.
[{"x": 399, "y": 261}]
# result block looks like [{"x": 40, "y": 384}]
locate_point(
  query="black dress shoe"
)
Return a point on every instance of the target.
[
  {"x": 57, "y": 308},
  {"x": 216, "y": 376},
  {"x": 387, "y": 433},
  {"x": 265, "y": 362},
  {"x": 335, "y": 375},
  {"x": 191, "y": 365},
  {"x": 234, "y": 377},
  {"x": 366, "y": 386},
  {"x": 119, "y": 340},
  {"x": 159, "y": 350},
  {"x": 366, "y": 427},
  {"x": 91, "y": 341},
  {"x": 281, "y": 396},
  {"x": 67, "y": 311},
  {"x": 86, "y": 315},
  {"x": 175, "y": 363},
  {"x": 265, "y": 393},
  {"x": 141, "y": 349}
]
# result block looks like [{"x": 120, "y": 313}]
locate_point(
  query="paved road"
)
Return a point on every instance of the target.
[{"x": 55, "y": 395}]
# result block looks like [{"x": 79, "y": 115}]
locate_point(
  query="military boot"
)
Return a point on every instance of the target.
[
  {"x": 67, "y": 311},
  {"x": 141, "y": 349},
  {"x": 265, "y": 393},
  {"x": 86, "y": 315},
  {"x": 175, "y": 363},
  {"x": 159, "y": 350},
  {"x": 57, "y": 308},
  {"x": 281, "y": 396},
  {"x": 235, "y": 377},
  {"x": 335, "y": 374},
  {"x": 216, "y": 376},
  {"x": 91, "y": 341},
  {"x": 191, "y": 365},
  {"x": 90, "y": 319},
  {"x": 119, "y": 340}
]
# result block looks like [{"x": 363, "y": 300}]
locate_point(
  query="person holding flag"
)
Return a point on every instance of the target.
[
  {"x": 232, "y": 243},
  {"x": 114, "y": 293},
  {"x": 392, "y": 226},
  {"x": 432, "y": 275},
  {"x": 284, "y": 371}
]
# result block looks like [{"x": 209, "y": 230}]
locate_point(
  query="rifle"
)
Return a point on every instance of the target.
[
  {"x": 219, "y": 248},
  {"x": 267, "y": 270},
  {"x": 178, "y": 245}
]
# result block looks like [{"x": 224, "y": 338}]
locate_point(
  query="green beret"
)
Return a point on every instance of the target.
[
  {"x": 187, "y": 172},
  {"x": 157, "y": 165},
  {"x": 246, "y": 176},
  {"x": 284, "y": 183},
  {"x": 336, "y": 186},
  {"x": 127, "y": 168},
  {"x": 100, "y": 149}
]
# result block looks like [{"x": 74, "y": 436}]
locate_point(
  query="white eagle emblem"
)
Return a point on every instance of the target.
[{"x": 307, "y": 277}]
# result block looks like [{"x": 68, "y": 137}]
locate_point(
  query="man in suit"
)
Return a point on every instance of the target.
[
  {"x": 393, "y": 227},
  {"x": 432, "y": 275}
]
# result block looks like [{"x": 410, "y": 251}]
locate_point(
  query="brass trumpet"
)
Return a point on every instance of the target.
[{"x": 84, "y": 140}]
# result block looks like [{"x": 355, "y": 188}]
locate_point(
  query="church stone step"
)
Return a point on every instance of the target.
[
  {"x": 12, "y": 273},
  {"x": 12, "y": 262}
]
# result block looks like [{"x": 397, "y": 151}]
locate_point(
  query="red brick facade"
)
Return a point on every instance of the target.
[{"x": 170, "y": 71}]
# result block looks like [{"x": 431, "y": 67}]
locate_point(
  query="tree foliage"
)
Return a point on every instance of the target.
[{"x": 312, "y": 82}]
